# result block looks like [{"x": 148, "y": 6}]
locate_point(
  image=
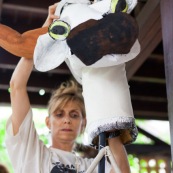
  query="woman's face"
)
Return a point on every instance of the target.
[{"x": 67, "y": 123}]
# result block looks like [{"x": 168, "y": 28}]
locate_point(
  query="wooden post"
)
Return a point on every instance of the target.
[
  {"x": 1, "y": 1},
  {"x": 166, "y": 7}
]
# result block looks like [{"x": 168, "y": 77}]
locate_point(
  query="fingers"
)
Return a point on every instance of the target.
[
  {"x": 52, "y": 9},
  {"x": 51, "y": 16}
]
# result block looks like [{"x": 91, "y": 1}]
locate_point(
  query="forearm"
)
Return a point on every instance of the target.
[
  {"x": 21, "y": 73},
  {"x": 19, "y": 97},
  {"x": 119, "y": 153},
  {"x": 20, "y": 44}
]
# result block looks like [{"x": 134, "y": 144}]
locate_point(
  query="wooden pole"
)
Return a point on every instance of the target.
[
  {"x": 102, "y": 143},
  {"x": 166, "y": 7}
]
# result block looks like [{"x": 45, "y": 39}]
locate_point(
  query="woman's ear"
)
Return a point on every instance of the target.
[
  {"x": 83, "y": 125},
  {"x": 47, "y": 121},
  {"x": 85, "y": 122}
]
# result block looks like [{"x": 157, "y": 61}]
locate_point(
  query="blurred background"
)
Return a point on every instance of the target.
[{"x": 151, "y": 153}]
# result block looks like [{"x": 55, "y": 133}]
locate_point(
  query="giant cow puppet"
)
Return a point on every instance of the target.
[{"x": 101, "y": 39}]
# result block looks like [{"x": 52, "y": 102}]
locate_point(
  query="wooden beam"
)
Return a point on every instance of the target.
[
  {"x": 146, "y": 49},
  {"x": 151, "y": 115},
  {"x": 149, "y": 79},
  {"x": 60, "y": 70},
  {"x": 149, "y": 106},
  {"x": 167, "y": 31},
  {"x": 35, "y": 99},
  {"x": 147, "y": 89},
  {"x": 37, "y": 79},
  {"x": 148, "y": 150},
  {"x": 148, "y": 15},
  {"x": 149, "y": 34},
  {"x": 21, "y": 8},
  {"x": 10, "y": 61},
  {"x": 39, "y": 4},
  {"x": 153, "y": 67}
]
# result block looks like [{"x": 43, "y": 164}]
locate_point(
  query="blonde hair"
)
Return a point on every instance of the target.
[{"x": 68, "y": 91}]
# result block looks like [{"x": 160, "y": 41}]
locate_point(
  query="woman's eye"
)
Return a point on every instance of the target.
[
  {"x": 74, "y": 115},
  {"x": 58, "y": 115}
]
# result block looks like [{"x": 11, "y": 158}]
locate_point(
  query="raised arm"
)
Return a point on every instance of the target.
[
  {"x": 120, "y": 155},
  {"x": 23, "y": 44},
  {"x": 19, "y": 97}
]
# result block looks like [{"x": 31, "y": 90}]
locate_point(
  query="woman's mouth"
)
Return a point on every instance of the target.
[{"x": 67, "y": 130}]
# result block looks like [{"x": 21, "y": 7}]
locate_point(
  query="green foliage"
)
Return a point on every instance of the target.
[
  {"x": 44, "y": 139},
  {"x": 4, "y": 159},
  {"x": 134, "y": 163},
  {"x": 143, "y": 163}
]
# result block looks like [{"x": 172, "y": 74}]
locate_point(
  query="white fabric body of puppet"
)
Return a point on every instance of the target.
[
  {"x": 105, "y": 87},
  {"x": 108, "y": 102}
]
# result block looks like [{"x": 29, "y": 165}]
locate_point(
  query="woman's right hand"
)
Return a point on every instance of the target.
[{"x": 51, "y": 15}]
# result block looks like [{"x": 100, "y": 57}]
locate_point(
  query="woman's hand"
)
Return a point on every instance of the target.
[{"x": 51, "y": 16}]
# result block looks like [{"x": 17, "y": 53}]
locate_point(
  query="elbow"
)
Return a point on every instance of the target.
[
  {"x": 12, "y": 83},
  {"x": 15, "y": 89},
  {"x": 14, "y": 86}
]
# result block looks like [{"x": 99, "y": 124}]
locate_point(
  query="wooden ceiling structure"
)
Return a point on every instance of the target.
[{"x": 146, "y": 73}]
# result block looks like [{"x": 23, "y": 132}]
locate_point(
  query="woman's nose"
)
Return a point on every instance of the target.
[{"x": 67, "y": 120}]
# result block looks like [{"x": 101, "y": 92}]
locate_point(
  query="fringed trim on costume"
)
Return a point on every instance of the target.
[{"x": 124, "y": 124}]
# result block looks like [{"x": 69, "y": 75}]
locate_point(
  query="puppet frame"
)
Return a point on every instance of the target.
[{"x": 104, "y": 151}]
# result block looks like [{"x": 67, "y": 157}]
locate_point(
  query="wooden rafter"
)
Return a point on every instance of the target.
[{"x": 149, "y": 34}]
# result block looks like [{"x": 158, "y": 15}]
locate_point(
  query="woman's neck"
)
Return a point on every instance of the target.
[{"x": 66, "y": 146}]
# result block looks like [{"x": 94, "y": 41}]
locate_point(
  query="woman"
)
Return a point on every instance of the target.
[{"x": 66, "y": 121}]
